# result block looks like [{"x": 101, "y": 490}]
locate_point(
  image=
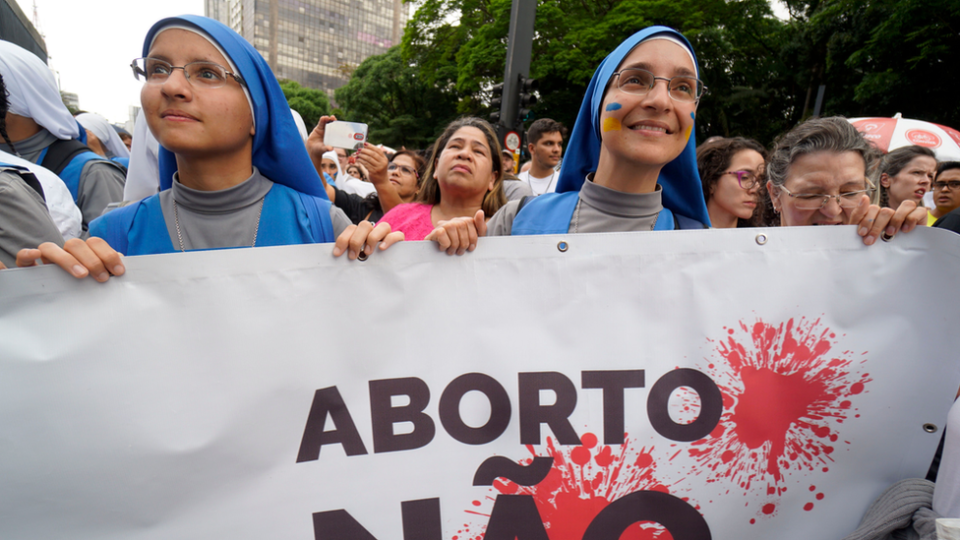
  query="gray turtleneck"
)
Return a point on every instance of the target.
[
  {"x": 600, "y": 209},
  {"x": 222, "y": 219},
  {"x": 101, "y": 182}
]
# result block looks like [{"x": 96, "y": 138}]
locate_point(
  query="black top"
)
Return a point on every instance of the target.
[
  {"x": 356, "y": 207},
  {"x": 950, "y": 221}
]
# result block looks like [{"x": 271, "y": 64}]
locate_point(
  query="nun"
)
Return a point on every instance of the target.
[
  {"x": 101, "y": 134},
  {"x": 233, "y": 171},
  {"x": 43, "y": 131},
  {"x": 631, "y": 160}
]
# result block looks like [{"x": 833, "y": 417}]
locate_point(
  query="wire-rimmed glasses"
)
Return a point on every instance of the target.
[
  {"x": 640, "y": 82},
  {"x": 816, "y": 201},
  {"x": 201, "y": 74}
]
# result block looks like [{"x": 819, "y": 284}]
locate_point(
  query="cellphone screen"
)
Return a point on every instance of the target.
[{"x": 350, "y": 135}]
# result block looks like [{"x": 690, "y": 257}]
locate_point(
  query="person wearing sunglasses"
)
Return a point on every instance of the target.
[
  {"x": 816, "y": 175},
  {"x": 234, "y": 171},
  {"x": 731, "y": 171},
  {"x": 946, "y": 190}
]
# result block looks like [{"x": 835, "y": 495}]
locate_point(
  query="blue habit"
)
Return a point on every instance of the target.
[
  {"x": 288, "y": 218},
  {"x": 683, "y": 203}
]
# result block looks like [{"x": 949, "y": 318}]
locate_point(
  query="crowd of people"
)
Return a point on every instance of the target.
[{"x": 218, "y": 160}]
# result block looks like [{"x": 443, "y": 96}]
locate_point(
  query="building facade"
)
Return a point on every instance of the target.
[
  {"x": 317, "y": 43},
  {"x": 16, "y": 28}
]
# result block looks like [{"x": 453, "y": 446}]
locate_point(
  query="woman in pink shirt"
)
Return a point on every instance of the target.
[{"x": 464, "y": 178}]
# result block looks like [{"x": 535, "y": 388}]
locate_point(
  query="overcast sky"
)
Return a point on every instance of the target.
[{"x": 91, "y": 44}]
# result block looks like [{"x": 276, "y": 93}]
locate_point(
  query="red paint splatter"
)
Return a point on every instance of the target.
[
  {"x": 820, "y": 496},
  {"x": 769, "y": 508},
  {"x": 752, "y": 521},
  {"x": 583, "y": 481},
  {"x": 785, "y": 391},
  {"x": 808, "y": 507}
]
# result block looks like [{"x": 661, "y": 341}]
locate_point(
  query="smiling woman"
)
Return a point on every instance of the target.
[{"x": 631, "y": 160}]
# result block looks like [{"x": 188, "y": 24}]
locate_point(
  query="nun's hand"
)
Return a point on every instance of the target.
[
  {"x": 315, "y": 146},
  {"x": 94, "y": 258},
  {"x": 361, "y": 239},
  {"x": 458, "y": 236}
]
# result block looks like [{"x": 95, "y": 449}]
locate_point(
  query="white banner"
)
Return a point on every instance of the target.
[{"x": 705, "y": 384}]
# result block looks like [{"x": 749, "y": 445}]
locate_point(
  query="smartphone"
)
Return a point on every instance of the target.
[{"x": 349, "y": 135}]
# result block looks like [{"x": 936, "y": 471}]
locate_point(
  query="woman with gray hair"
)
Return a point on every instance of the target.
[{"x": 817, "y": 175}]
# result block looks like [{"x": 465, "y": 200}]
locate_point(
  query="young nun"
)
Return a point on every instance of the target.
[
  {"x": 44, "y": 132},
  {"x": 233, "y": 170},
  {"x": 631, "y": 161}
]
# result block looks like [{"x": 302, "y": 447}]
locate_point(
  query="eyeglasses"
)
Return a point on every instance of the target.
[
  {"x": 200, "y": 74},
  {"x": 816, "y": 201},
  {"x": 403, "y": 168},
  {"x": 747, "y": 179},
  {"x": 952, "y": 184},
  {"x": 640, "y": 82}
]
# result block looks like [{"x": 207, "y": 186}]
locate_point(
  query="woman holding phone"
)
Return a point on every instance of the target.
[{"x": 233, "y": 171}]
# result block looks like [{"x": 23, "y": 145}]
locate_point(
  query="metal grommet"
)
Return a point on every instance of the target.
[
  {"x": 362, "y": 256},
  {"x": 563, "y": 246},
  {"x": 930, "y": 428},
  {"x": 761, "y": 239}
]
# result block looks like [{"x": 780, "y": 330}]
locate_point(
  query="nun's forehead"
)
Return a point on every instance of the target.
[
  {"x": 204, "y": 35},
  {"x": 664, "y": 38}
]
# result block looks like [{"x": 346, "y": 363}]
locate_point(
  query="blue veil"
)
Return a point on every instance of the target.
[
  {"x": 278, "y": 150},
  {"x": 680, "y": 179}
]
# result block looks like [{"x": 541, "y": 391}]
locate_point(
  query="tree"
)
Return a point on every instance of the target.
[
  {"x": 875, "y": 57},
  {"x": 401, "y": 107},
  {"x": 310, "y": 103}
]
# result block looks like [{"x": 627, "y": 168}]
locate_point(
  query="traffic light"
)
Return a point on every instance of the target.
[
  {"x": 495, "y": 102},
  {"x": 526, "y": 98}
]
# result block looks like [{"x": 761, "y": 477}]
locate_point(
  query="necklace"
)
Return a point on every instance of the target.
[
  {"x": 550, "y": 183},
  {"x": 176, "y": 219}
]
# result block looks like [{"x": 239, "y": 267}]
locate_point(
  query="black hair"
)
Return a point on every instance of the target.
[
  {"x": 541, "y": 127},
  {"x": 946, "y": 166}
]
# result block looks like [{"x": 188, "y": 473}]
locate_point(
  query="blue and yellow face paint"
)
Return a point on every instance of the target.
[
  {"x": 690, "y": 128},
  {"x": 610, "y": 123}
]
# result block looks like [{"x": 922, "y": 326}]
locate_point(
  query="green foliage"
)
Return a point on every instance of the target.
[
  {"x": 401, "y": 107},
  {"x": 875, "y": 57},
  {"x": 310, "y": 103}
]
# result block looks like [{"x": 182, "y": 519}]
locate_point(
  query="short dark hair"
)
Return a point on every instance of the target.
[
  {"x": 541, "y": 127},
  {"x": 894, "y": 162},
  {"x": 946, "y": 166}
]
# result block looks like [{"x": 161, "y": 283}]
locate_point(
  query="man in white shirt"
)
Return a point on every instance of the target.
[{"x": 545, "y": 144}]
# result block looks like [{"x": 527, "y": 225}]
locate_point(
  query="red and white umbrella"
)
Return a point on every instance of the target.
[{"x": 892, "y": 133}]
